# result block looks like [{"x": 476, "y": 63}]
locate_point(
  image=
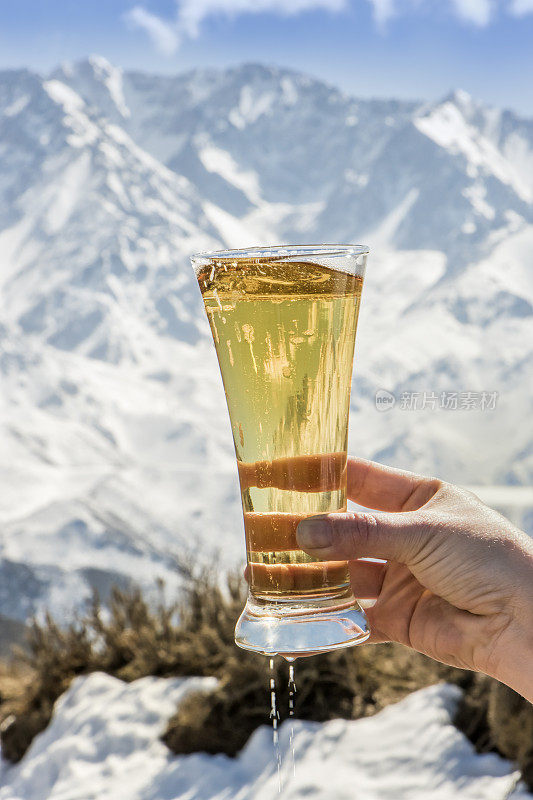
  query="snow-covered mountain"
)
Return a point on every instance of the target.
[
  {"x": 117, "y": 456},
  {"x": 426, "y": 176}
]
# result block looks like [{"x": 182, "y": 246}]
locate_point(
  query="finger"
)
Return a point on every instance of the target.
[
  {"x": 441, "y": 630},
  {"x": 366, "y": 578},
  {"x": 377, "y": 486},
  {"x": 393, "y": 537}
]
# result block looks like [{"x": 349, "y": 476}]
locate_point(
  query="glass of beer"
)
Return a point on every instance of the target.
[{"x": 283, "y": 321}]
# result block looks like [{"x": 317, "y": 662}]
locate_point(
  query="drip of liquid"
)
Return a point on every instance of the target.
[
  {"x": 274, "y": 716},
  {"x": 292, "y": 692}
]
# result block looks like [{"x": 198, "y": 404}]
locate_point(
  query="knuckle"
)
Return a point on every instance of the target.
[
  {"x": 362, "y": 530},
  {"x": 423, "y": 493},
  {"x": 427, "y": 529},
  {"x": 434, "y": 486}
]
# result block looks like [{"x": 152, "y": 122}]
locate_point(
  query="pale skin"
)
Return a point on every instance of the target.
[{"x": 457, "y": 584}]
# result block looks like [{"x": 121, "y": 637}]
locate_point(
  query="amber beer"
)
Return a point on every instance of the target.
[{"x": 284, "y": 330}]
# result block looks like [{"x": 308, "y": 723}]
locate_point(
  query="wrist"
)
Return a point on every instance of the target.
[
  {"x": 514, "y": 650},
  {"x": 513, "y": 659},
  {"x": 514, "y": 668}
]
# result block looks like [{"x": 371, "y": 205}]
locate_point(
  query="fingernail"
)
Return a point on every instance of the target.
[{"x": 312, "y": 534}]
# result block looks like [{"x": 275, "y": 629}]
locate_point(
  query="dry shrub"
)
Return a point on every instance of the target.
[
  {"x": 350, "y": 684},
  {"x": 497, "y": 719},
  {"x": 54, "y": 657},
  {"x": 132, "y": 639}
]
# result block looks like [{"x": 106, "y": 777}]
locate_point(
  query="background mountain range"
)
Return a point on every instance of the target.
[{"x": 117, "y": 458}]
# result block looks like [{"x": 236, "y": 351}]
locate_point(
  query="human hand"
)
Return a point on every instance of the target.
[{"x": 457, "y": 584}]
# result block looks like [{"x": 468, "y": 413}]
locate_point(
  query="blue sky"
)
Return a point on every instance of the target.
[{"x": 400, "y": 48}]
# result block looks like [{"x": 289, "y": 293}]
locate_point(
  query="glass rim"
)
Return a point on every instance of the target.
[{"x": 285, "y": 251}]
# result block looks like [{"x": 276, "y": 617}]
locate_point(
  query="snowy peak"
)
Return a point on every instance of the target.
[
  {"x": 98, "y": 82},
  {"x": 18, "y": 88},
  {"x": 108, "y": 225},
  {"x": 462, "y": 128},
  {"x": 471, "y": 109}
]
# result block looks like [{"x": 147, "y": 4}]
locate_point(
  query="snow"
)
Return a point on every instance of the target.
[
  {"x": 103, "y": 742},
  {"x": 447, "y": 126},
  {"x": 384, "y": 233},
  {"x": 234, "y": 232},
  {"x": 252, "y": 106},
  {"x": 115, "y": 184},
  {"x": 462, "y": 97},
  {"x": 476, "y": 194},
  {"x": 111, "y": 77},
  {"x": 16, "y": 248},
  {"x": 216, "y": 160},
  {"x": 518, "y": 153},
  {"x": 63, "y": 94},
  {"x": 66, "y": 192},
  {"x": 290, "y": 92},
  {"x": 17, "y": 106}
]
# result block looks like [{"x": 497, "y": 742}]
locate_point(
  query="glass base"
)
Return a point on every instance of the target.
[{"x": 293, "y": 629}]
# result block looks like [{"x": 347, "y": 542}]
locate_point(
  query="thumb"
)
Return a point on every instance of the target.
[{"x": 393, "y": 537}]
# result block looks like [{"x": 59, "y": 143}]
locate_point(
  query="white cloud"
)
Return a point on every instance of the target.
[
  {"x": 163, "y": 34},
  {"x": 521, "y": 7},
  {"x": 168, "y": 34},
  {"x": 479, "y": 12},
  {"x": 383, "y": 11},
  {"x": 191, "y": 13}
]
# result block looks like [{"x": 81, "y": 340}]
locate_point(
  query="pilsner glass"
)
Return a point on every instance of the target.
[{"x": 283, "y": 321}]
